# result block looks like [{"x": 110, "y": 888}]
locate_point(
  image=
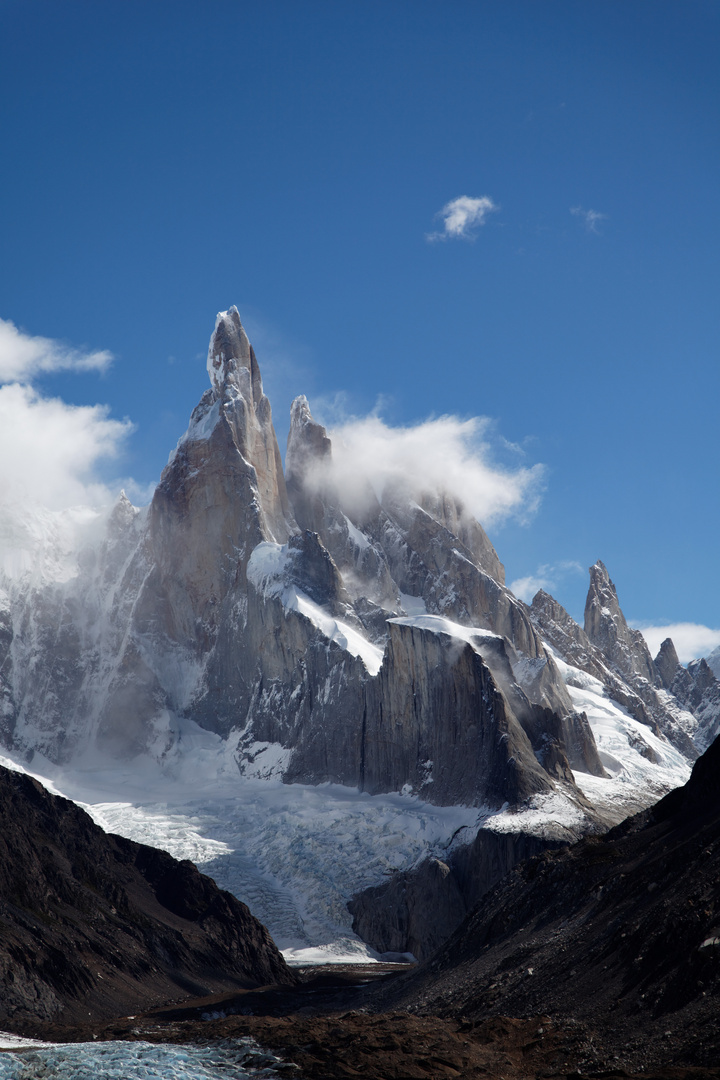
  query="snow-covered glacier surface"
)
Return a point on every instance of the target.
[
  {"x": 238, "y": 1058},
  {"x": 295, "y": 854}
]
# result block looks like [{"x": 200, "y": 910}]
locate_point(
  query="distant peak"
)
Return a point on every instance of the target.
[
  {"x": 667, "y": 662},
  {"x": 306, "y": 438}
]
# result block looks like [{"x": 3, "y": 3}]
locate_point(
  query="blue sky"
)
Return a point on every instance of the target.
[{"x": 164, "y": 160}]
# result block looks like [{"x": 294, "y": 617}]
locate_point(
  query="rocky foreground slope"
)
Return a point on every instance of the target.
[
  {"x": 621, "y": 932},
  {"x": 94, "y": 926}
]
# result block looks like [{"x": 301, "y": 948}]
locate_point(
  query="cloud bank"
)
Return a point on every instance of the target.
[
  {"x": 462, "y": 217},
  {"x": 445, "y": 454},
  {"x": 50, "y": 449},
  {"x": 691, "y": 640}
]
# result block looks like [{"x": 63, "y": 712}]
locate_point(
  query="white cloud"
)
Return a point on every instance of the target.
[
  {"x": 691, "y": 640},
  {"x": 446, "y": 454},
  {"x": 546, "y": 577},
  {"x": 462, "y": 217},
  {"x": 590, "y": 218},
  {"x": 51, "y": 450},
  {"x": 23, "y": 356}
]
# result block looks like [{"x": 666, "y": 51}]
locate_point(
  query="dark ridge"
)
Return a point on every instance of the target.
[
  {"x": 621, "y": 933},
  {"x": 94, "y": 926}
]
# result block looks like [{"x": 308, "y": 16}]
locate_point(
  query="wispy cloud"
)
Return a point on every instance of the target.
[
  {"x": 691, "y": 640},
  {"x": 546, "y": 577},
  {"x": 51, "y": 450},
  {"x": 23, "y": 356},
  {"x": 445, "y": 454},
  {"x": 462, "y": 217},
  {"x": 590, "y": 218}
]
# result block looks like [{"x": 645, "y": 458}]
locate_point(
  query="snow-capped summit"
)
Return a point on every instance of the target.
[{"x": 230, "y": 352}]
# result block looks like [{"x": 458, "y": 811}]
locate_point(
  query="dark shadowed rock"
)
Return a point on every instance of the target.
[
  {"x": 622, "y": 932},
  {"x": 417, "y": 910},
  {"x": 414, "y": 912},
  {"x": 94, "y": 925}
]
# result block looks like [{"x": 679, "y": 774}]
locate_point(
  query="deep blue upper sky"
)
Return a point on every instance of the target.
[{"x": 164, "y": 160}]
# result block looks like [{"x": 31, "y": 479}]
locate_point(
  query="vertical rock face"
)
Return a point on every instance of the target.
[
  {"x": 221, "y": 494},
  {"x": 437, "y": 720},
  {"x": 223, "y": 491}
]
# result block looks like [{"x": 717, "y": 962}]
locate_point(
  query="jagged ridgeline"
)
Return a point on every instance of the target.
[{"x": 352, "y": 637}]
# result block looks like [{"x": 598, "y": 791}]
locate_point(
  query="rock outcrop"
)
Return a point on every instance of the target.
[
  {"x": 417, "y": 910},
  {"x": 624, "y": 648},
  {"x": 667, "y": 663},
  {"x": 97, "y": 926}
]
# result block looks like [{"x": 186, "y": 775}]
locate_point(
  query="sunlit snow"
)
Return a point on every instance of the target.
[
  {"x": 626, "y": 748},
  {"x": 267, "y": 570}
]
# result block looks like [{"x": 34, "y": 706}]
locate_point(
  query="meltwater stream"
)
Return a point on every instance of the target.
[{"x": 233, "y": 1059}]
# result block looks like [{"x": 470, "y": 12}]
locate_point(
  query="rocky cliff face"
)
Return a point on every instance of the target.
[
  {"x": 698, "y": 690},
  {"x": 624, "y": 648}
]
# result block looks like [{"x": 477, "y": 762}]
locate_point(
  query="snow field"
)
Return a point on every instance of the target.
[{"x": 625, "y": 747}]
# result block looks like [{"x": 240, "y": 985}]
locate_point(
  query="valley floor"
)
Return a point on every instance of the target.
[{"x": 321, "y": 1031}]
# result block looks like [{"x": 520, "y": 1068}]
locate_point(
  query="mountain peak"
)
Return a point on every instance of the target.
[
  {"x": 230, "y": 354},
  {"x": 606, "y": 627},
  {"x": 667, "y": 662}
]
